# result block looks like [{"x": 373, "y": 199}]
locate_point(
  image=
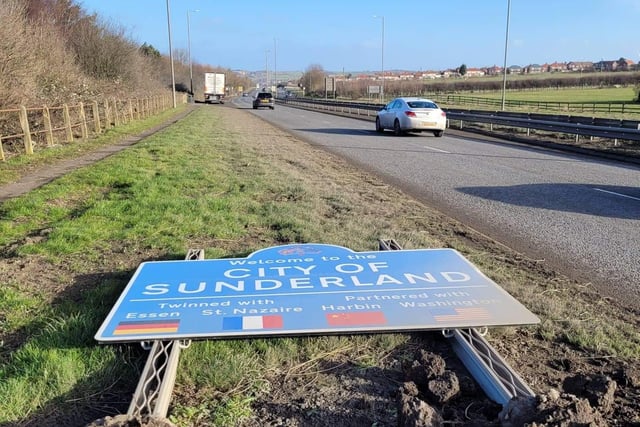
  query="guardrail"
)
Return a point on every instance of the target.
[
  {"x": 24, "y": 129},
  {"x": 574, "y": 125},
  {"x": 585, "y": 126},
  {"x": 579, "y": 107}
]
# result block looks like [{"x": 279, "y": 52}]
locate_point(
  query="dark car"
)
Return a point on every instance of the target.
[{"x": 264, "y": 99}]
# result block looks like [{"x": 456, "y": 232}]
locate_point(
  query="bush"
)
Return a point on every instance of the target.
[{"x": 17, "y": 79}]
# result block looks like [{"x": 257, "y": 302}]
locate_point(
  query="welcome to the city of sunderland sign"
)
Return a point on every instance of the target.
[{"x": 308, "y": 289}]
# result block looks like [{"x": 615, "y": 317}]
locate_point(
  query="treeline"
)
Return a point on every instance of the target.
[{"x": 54, "y": 52}]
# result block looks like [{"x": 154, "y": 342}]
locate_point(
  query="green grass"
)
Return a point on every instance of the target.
[
  {"x": 573, "y": 95},
  {"x": 18, "y": 165},
  {"x": 201, "y": 184},
  {"x": 606, "y": 102}
]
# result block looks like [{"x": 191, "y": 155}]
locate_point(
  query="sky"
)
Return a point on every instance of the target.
[{"x": 374, "y": 35}]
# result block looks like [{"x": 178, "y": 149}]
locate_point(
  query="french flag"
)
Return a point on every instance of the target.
[{"x": 247, "y": 323}]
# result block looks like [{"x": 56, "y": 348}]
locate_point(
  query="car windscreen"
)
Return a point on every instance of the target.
[
  {"x": 264, "y": 95},
  {"x": 421, "y": 104}
]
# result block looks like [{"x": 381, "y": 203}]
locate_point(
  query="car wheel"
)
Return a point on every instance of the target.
[
  {"x": 378, "y": 127},
  {"x": 438, "y": 133},
  {"x": 272, "y": 107},
  {"x": 397, "y": 130},
  {"x": 255, "y": 108}
]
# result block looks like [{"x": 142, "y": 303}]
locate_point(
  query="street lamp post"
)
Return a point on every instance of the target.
[
  {"x": 189, "y": 48},
  {"x": 504, "y": 69},
  {"x": 173, "y": 74},
  {"x": 266, "y": 68},
  {"x": 382, "y": 60}
]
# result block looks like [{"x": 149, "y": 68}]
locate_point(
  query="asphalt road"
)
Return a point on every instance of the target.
[{"x": 579, "y": 214}]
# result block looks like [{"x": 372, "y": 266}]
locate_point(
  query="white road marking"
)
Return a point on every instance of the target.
[
  {"x": 436, "y": 149},
  {"x": 617, "y": 194}
]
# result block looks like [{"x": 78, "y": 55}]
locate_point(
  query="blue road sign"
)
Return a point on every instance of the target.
[{"x": 307, "y": 289}]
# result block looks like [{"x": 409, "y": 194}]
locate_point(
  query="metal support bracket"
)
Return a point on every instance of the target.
[
  {"x": 153, "y": 393},
  {"x": 494, "y": 375}
]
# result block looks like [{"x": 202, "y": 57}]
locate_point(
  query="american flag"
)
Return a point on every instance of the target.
[{"x": 456, "y": 314}]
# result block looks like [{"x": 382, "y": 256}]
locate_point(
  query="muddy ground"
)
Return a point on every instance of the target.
[{"x": 430, "y": 387}]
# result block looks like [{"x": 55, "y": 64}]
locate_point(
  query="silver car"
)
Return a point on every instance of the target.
[
  {"x": 411, "y": 115},
  {"x": 264, "y": 99}
]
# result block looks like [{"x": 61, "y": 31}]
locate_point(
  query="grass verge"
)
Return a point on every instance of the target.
[{"x": 69, "y": 248}]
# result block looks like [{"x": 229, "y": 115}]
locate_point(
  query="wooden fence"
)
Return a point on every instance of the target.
[{"x": 25, "y": 129}]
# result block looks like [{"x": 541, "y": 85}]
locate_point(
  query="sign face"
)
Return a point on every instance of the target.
[
  {"x": 329, "y": 84},
  {"x": 308, "y": 289},
  {"x": 373, "y": 89}
]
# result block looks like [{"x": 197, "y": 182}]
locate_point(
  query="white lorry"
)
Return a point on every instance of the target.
[{"x": 214, "y": 88}]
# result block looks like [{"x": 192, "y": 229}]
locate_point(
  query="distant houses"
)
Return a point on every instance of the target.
[{"x": 621, "y": 64}]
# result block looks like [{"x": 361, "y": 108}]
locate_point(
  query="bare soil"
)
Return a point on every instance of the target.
[{"x": 421, "y": 384}]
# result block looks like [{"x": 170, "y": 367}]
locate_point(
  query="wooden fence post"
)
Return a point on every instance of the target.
[
  {"x": 130, "y": 110},
  {"x": 116, "y": 116},
  {"x": 138, "y": 108},
  {"x": 1, "y": 150},
  {"x": 96, "y": 117},
  {"x": 107, "y": 114},
  {"x": 83, "y": 123},
  {"x": 48, "y": 129},
  {"x": 67, "y": 123},
  {"x": 24, "y": 122}
]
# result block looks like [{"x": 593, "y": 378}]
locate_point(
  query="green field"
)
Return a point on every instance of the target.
[
  {"x": 577, "y": 95},
  {"x": 612, "y": 102}
]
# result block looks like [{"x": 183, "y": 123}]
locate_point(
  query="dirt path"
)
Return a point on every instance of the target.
[{"x": 47, "y": 174}]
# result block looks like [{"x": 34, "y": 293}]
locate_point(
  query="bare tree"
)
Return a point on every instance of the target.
[{"x": 313, "y": 79}]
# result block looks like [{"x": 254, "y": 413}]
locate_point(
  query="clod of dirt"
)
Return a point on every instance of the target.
[
  {"x": 567, "y": 411},
  {"x": 518, "y": 411},
  {"x": 414, "y": 412},
  {"x": 126, "y": 421},
  {"x": 443, "y": 388},
  {"x": 598, "y": 390},
  {"x": 425, "y": 367}
]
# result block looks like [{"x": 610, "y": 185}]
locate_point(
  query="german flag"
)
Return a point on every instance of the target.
[{"x": 147, "y": 327}]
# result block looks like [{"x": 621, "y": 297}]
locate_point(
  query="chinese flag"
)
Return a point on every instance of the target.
[{"x": 360, "y": 318}]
